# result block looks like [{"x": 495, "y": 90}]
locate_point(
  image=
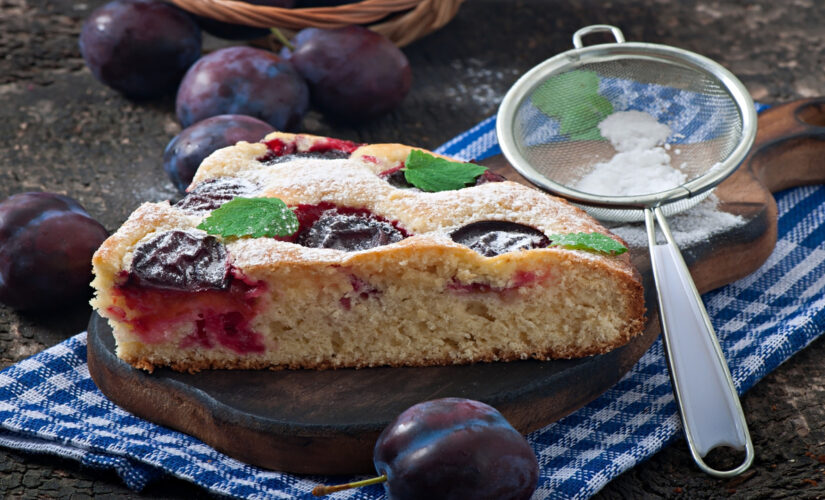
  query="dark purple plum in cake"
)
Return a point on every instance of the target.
[
  {"x": 212, "y": 193},
  {"x": 185, "y": 152},
  {"x": 348, "y": 232},
  {"x": 181, "y": 260},
  {"x": 46, "y": 246},
  {"x": 395, "y": 177},
  {"x": 492, "y": 237},
  {"x": 489, "y": 176}
]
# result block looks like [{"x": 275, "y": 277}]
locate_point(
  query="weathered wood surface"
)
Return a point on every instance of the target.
[{"x": 62, "y": 131}]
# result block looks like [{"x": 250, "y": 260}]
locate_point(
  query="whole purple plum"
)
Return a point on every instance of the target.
[
  {"x": 232, "y": 31},
  {"x": 243, "y": 81},
  {"x": 46, "y": 245},
  {"x": 140, "y": 48},
  {"x": 185, "y": 152},
  {"x": 353, "y": 73},
  {"x": 454, "y": 448}
]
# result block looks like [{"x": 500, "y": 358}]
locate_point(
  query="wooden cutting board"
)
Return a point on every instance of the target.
[{"x": 326, "y": 422}]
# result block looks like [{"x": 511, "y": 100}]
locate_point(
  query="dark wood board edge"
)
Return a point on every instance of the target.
[
  {"x": 168, "y": 403},
  {"x": 543, "y": 410},
  {"x": 788, "y": 152},
  {"x": 322, "y": 449}
]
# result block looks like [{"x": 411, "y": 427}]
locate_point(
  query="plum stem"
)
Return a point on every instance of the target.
[
  {"x": 281, "y": 38},
  {"x": 323, "y": 489}
]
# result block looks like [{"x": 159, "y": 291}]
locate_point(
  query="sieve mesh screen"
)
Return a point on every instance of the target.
[{"x": 556, "y": 124}]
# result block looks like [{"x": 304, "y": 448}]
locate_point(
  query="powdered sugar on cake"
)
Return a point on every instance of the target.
[
  {"x": 641, "y": 164},
  {"x": 309, "y": 180},
  {"x": 354, "y": 183},
  {"x": 429, "y": 218}
]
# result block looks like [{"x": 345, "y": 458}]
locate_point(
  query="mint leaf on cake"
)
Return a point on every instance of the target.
[
  {"x": 592, "y": 242},
  {"x": 431, "y": 173},
  {"x": 254, "y": 217}
]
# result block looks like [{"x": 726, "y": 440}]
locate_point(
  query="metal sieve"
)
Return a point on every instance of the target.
[{"x": 547, "y": 127}]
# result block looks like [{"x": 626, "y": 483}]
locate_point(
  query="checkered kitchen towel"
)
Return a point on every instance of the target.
[{"x": 49, "y": 404}]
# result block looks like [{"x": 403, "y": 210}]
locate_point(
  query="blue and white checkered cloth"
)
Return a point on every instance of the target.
[{"x": 49, "y": 404}]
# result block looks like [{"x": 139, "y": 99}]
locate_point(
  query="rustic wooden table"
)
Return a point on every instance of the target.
[{"x": 60, "y": 130}]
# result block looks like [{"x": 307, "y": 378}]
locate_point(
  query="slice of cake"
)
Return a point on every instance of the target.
[{"x": 310, "y": 252}]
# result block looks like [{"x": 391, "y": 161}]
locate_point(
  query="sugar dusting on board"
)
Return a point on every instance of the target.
[
  {"x": 692, "y": 226},
  {"x": 641, "y": 164}
]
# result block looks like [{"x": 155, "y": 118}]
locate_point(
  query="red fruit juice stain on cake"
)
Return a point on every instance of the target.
[
  {"x": 390, "y": 171},
  {"x": 520, "y": 279},
  {"x": 330, "y": 144},
  {"x": 277, "y": 147},
  {"x": 324, "y": 148},
  {"x": 361, "y": 289},
  {"x": 228, "y": 329},
  {"x": 221, "y": 317}
]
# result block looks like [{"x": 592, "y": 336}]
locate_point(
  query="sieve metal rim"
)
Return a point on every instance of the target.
[{"x": 573, "y": 58}]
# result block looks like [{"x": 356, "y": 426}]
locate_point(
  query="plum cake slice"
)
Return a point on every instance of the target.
[{"x": 310, "y": 252}]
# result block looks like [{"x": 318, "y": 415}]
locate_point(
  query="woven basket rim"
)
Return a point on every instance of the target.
[{"x": 402, "y": 21}]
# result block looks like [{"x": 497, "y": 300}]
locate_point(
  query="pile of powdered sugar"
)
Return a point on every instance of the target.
[{"x": 641, "y": 164}]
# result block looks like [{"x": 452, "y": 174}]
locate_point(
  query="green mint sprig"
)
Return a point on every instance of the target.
[
  {"x": 592, "y": 242},
  {"x": 573, "y": 98},
  {"x": 255, "y": 217},
  {"x": 431, "y": 173}
]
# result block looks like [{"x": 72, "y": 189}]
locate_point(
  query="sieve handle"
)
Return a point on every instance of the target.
[
  {"x": 711, "y": 413},
  {"x": 596, "y": 28}
]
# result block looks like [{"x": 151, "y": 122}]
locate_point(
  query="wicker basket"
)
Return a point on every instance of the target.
[{"x": 402, "y": 21}]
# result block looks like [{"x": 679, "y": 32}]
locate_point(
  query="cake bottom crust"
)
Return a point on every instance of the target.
[{"x": 150, "y": 362}]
